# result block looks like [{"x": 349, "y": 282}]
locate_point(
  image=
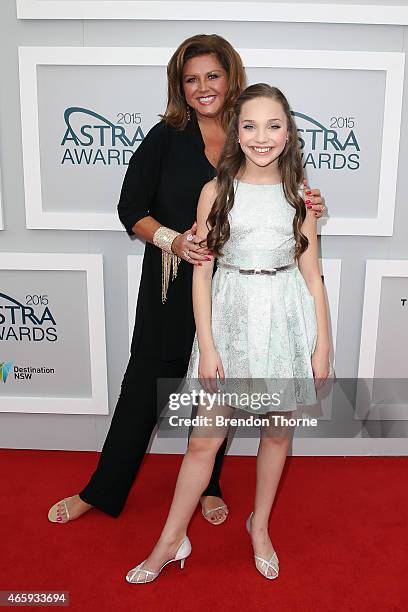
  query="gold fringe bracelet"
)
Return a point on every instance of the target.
[{"x": 163, "y": 238}]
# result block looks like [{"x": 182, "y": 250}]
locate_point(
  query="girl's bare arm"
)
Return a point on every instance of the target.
[
  {"x": 202, "y": 275},
  {"x": 309, "y": 267}
]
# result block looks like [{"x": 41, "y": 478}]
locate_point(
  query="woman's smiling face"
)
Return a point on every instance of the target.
[{"x": 205, "y": 84}]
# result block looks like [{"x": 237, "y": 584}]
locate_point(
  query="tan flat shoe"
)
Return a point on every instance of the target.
[
  {"x": 59, "y": 512},
  {"x": 206, "y": 514}
]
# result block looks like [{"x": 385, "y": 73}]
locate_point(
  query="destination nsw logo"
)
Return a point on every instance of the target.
[
  {"x": 24, "y": 323},
  {"x": 92, "y": 139},
  {"x": 333, "y": 148},
  {"x": 21, "y": 373}
]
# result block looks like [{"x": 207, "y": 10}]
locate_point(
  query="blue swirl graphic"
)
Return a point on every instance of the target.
[
  {"x": 7, "y": 297},
  {"x": 334, "y": 141},
  {"x": 77, "y": 109}
]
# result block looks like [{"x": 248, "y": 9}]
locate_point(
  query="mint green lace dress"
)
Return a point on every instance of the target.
[{"x": 264, "y": 326}]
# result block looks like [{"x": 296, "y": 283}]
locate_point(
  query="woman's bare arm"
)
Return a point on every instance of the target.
[{"x": 145, "y": 228}]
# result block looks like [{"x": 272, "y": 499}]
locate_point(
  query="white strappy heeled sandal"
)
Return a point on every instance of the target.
[
  {"x": 262, "y": 565},
  {"x": 138, "y": 575}
]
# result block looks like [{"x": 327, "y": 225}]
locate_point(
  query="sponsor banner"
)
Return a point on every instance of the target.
[
  {"x": 50, "y": 331},
  {"x": 340, "y": 136},
  {"x": 84, "y": 111},
  {"x": 89, "y": 144}
]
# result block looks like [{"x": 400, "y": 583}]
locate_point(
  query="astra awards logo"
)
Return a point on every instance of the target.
[
  {"x": 30, "y": 322},
  {"x": 91, "y": 139},
  {"x": 335, "y": 147},
  {"x": 5, "y": 367}
]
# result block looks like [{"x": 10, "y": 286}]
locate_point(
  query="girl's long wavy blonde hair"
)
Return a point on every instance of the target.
[
  {"x": 232, "y": 164},
  {"x": 202, "y": 44}
]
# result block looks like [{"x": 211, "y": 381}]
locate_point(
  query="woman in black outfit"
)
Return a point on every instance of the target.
[{"x": 161, "y": 190}]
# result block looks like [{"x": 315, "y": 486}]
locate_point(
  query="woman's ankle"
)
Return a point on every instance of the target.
[{"x": 83, "y": 502}]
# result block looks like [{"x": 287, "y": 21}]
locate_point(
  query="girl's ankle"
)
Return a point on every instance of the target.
[
  {"x": 258, "y": 527},
  {"x": 172, "y": 539}
]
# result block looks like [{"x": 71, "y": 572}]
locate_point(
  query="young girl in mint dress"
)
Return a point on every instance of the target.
[{"x": 262, "y": 318}]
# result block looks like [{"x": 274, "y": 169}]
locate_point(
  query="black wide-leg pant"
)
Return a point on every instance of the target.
[{"x": 133, "y": 422}]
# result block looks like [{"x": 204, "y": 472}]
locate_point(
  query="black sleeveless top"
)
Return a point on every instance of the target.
[{"x": 164, "y": 179}]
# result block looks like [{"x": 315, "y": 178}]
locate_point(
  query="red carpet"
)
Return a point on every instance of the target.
[{"x": 339, "y": 526}]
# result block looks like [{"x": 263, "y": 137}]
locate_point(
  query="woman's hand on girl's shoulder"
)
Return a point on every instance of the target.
[
  {"x": 209, "y": 365},
  {"x": 313, "y": 200}
]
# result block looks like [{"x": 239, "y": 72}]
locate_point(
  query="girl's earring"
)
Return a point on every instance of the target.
[
  {"x": 238, "y": 140},
  {"x": 188, "y": 113}
]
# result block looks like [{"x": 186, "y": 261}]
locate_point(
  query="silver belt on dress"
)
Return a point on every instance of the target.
[{"x": 256, "y": 270}]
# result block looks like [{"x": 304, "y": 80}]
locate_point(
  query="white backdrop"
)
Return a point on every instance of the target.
[{"x": 80, "y": 89}]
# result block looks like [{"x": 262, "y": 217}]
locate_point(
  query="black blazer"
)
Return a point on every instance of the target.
[{"x": 164, "y": 179}]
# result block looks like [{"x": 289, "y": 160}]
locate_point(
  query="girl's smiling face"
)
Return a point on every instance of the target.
[
  {"x": 205, "y": 84},
  {"x": 262, "y": 130}
]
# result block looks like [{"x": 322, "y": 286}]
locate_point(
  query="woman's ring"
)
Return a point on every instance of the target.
[
  {"x": 190, "y": 237},
  {"x": 186, "y": 253}
]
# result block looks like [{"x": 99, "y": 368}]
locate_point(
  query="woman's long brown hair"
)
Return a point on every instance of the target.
[
  {"x": 202, "y": 44},
  {"x": 232, "y": 164}
]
